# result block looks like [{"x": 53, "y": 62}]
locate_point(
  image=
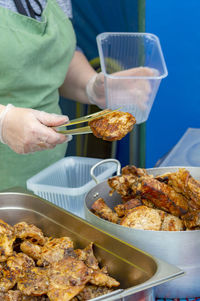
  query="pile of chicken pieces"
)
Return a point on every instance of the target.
[
  {"x": 34, "y": 267},
  {"x": 168, "y": 202}
]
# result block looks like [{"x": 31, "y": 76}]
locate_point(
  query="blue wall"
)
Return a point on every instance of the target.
[{"x": 177, "y": 105}]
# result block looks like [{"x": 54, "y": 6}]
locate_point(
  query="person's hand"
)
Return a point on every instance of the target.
[
  {"x": 27, "y": 130},
  {"x": 138, "y": 89}
]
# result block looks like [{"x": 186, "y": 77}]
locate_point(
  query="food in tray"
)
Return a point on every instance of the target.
[
  {"x": 168, "y": 202},
  {"x": 113, "y": 126},
  {"x": 34, "y": 267}
]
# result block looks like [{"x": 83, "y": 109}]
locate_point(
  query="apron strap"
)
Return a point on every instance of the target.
[{"x": 32, "y": 12}]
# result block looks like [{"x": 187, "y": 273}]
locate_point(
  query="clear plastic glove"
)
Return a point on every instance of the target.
[
  {"x": 28, "y": 130},
  {"x": 138, "y": 88}
]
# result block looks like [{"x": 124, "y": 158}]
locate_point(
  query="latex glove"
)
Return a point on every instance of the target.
[
  {"x": 27, "y": 130},
  {"x": 139, "y": 89}
]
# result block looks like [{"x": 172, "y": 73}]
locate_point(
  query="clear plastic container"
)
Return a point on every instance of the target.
[
  {"x": 66, "y": 182},
  {"x": 134, "y": 90}
]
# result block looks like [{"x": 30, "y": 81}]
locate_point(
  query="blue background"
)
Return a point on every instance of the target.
[{"x": 177, "y": 24}]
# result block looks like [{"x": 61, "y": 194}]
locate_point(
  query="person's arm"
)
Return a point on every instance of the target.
[{"x": 79, "y": 74}]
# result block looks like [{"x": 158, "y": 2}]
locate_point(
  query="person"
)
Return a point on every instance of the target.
[{"x": 39, "y": 62}]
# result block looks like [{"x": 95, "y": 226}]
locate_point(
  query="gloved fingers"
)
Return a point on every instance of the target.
[
  {"x": 95, "y": 90},
  {"x": 53, "y": 120}
]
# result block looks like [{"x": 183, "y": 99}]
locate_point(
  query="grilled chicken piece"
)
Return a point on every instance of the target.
[
  {"x": 32, "y": 298},
  {"x": 113, "y": 126},
  {"x": 146, "y": 218},
  {"x": 11, "y": 296},
  {"x": 100, "y": 208},
  {"x": 125, "y": 185},
  {"x": 87, "y": 255},
  {"x": 54, "y": 250},
  {"x": 8, "y": 278},
  {"x": 31, "y": 249},
  {"x": 122, "y": 209},
  {"x": 133, "y": 170},
  {"x": 67, "y": 279},
  {"x": 185, "y": 184},
  {"x": 7, "y": 238},
  {"x": 100, "y": 278},
  {"x": 19, "y": 263},
  {"x": 92, "y": 291},
  {"x": 191, "y": 220},
  {"x": 30, "y": 232},
  {"x": 35, "y": 282},
  {"x": 163, "y": 196}
]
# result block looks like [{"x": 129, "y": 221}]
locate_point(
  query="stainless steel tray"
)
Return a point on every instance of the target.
[{"x": 137, "y": 271}]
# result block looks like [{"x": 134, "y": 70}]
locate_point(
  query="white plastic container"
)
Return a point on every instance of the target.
[
  {"x": 134, "y": 90},
  {"x": 66, "y": 182}
]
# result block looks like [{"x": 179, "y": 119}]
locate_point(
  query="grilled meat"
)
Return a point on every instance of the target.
[
  {"x": 146, "y": 218},
  {"x": 19, "y": 264},
  {"x": 191, "y": 220},
  {"x": 54, "y": 250},
  {"x": 87, "y": 255},
  {"x": 11, "y": 296},
  {"x": 67, "y": 279},
  {"x": 100, "y": 278},
  {"x": 30, "y": 232},
  {"x": 184, "y": 183},
  {"x": 92, "y": 291},
  {"x": 31, "y": 249},
  {"x": 113, "y": 126},
  {"x": 122, "y": 209},
  {"x": 163, "y": 196},
  {"x": 100, "y": 208},
  {"x": 7, "y": 238},
  {"x": 35, "y": 282}
]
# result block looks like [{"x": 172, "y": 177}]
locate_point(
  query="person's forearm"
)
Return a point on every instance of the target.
[{"x": 78, "y": 75}]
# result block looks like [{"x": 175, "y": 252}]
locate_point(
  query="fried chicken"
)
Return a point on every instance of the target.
[
  {"x": 31, "y": 249},
  {"x": 8, "y": 278},
  {"x": 30, "y": 232},
  {"x": 100, "y": 208},
  {"x": 7, "y": 238},
  {"x": 113, "y": 126},
  {"x": 100, "y": 278},
  {"x": 19, "y": 264}
]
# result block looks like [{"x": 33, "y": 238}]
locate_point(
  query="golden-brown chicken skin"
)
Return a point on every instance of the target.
[
  {"x": 113, "y": 126},
  {"x": 191, "y": 220},
  {"x": 122, "y": 209},
  {"x": 100, "y": 278},
  {"x": 19, "y": 264},
  {"x": 30, "y": 232},
  {"x": 87, "y": 255},
  {"x": 11, "y": 295}
]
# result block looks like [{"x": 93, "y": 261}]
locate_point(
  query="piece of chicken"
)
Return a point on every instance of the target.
[
  {"x": 101, "y": 278},
  {"x": 54, "y": 250},
  {"x": 100, "y": 208},
  {"x": 30, "y": 232},
  {"x": 113, "y": 126},
  {"x": 92, "y": 291},
  {"x": 19, "y": 264},
  {"x": 11, "y": 296},
  {"x": 7, "y": 238},
  {"x": 184, "y": 183},
  {"x": 146, "y": 218},
  {"x": 35, "y": 282},
  {"x": 163, "y": 196},
  {"x": 67, "y": 279},
  {"x": 122, "y": 209},
  {"x": 191, "y": 220},
  {"x": 32, "y": 250},
  {"x": 8, "y": 278},
  {"x": 87, "y": 255}
]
